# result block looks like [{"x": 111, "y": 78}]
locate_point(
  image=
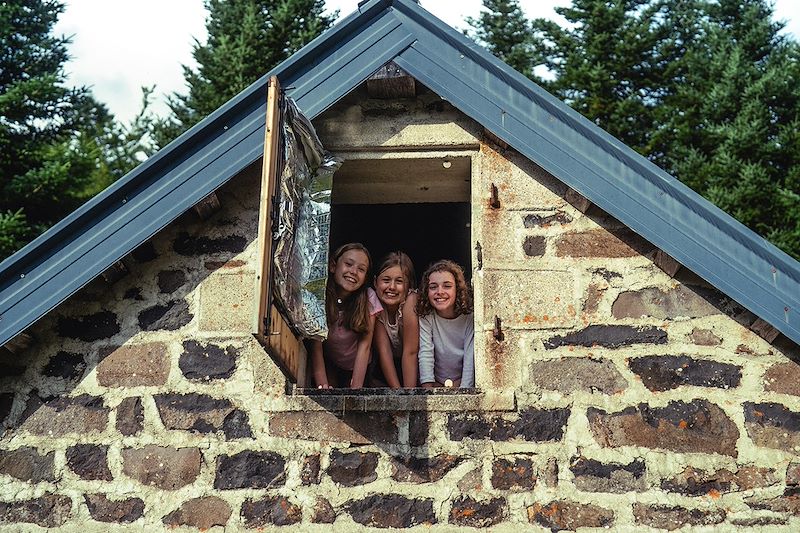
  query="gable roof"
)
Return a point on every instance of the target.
[{"x": 700, "y": 236}]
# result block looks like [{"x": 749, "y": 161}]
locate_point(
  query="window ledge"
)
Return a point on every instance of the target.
[{"x": 420, "y": 399}]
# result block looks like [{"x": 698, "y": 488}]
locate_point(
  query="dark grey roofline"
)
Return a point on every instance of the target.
[{"x": 649, "y": 201}]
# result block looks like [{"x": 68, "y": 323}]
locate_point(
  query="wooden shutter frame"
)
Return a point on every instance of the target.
[{"x": 269, "y": 325}]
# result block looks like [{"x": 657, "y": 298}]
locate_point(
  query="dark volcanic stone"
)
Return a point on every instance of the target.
[
  {"x": 203, "y": 414},
  {"x": 65, "y": 365},
  {"x": 564, "y": 515},
  {"x": 609, "y": 337},
  {"x": 170, "y": 280},
  {"x": 237, "y": 426},
  {"x": 468, "y": 512},
  {"x": 391, "y": 510},
  {"x": 513, "y": 474},
  {"x": 533, "y": 425},
  {"x": 171, "y": 316},
  {"x": 660, "y": 373},
  {"x": 89, "y": 328},
  {"x": 134, "y": 293},
  {"x": 89, "y": 461},
  {"x": 121, "y": 511},
  {"x": 560, "y": 217},
  {"x": 6, "y": 402},
  {"x": 207, "y": 362},
  {"x": 324, "y": 513},
  {"x": 534, "y": 245},
  {"x": 594, "y": 476},
  {"x": 49, "y": 510},
  {"x": 672, "y": 518},
  {"x": 310, "y": 473},
  {"x": 350, "y": 469},
  {"x": 423, "y": 469},
  {"x": 145, "y": 252},
  {"x": 25, "y": 463},
  {"x": 772, "y": 425},
  {"x": 186, "y": 245},
  {"x": 130, "y": 416},
  {"x": 249, "y": 469},
  {"x": 418, "y": 428},
  {"x": 202, "y": 513},
  {"x": 273, "y": 510},
  {"x": 695, "y": 482},
  {"x": 694, "y": 427}
]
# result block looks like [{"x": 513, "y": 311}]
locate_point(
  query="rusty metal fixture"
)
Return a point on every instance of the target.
[
  {"x": 494, "y": 202},
  {"x": 497, "y": 332}
]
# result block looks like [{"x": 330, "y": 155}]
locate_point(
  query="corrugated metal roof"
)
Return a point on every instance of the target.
[{"x": 700, "y": 236}]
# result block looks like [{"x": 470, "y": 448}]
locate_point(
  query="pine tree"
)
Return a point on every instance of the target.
[
  {"x": 608, "y": 63},
  {"x": 43, "y": 170},
  {"x": 505, "y": 31},
  {"x": 731, "y": 130},
  {"x": 246, "y": 38}
]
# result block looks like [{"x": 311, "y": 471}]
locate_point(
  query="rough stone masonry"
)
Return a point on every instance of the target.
[{"x": 640, "y": 401}]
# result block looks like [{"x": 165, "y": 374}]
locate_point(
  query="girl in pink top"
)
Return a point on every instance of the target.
[{"x": 342, "y": 359}]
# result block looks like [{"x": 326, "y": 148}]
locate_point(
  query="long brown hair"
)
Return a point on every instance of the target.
[
  {"x": 401, "y": 260},
  {"x": 463, "y": 297},
  {"x": 356, "y": 306}
]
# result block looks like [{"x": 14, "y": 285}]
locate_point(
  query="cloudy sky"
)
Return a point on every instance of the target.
[{"x": 118, "y": 46}]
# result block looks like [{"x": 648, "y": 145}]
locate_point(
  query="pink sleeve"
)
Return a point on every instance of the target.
[{"x": 375, "y": 305}]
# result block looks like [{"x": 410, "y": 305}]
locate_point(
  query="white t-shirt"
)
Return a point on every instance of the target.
[{"x": 446, "y": 349}]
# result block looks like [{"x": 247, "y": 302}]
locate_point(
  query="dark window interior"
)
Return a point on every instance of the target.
[{"x": 425, "y": 231}]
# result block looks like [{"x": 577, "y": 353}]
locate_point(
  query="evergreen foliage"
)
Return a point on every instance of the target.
[
  {"x": 707, "y": 89},
  {"x": 58, "y": 146},
  {"x": 505, "y": 31},
  {"x": 246, "y": 38}
]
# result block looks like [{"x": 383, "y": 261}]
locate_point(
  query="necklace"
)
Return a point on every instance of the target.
[{"x": 339, "y": 301}]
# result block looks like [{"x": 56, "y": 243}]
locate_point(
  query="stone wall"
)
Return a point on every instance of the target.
[{"x": 639, "y": 400}]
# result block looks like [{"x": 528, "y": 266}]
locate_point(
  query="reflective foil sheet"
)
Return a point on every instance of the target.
[{"x": 301, "y": 237}]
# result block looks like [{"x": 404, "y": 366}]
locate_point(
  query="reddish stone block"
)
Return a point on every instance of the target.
[
  {"x": 272, "y": 510},
  {"x": 672, "y": 518},
  {"x": 165, "y": 468},
  {"x": 695, "y": 427},
  {"x": 103, "y": 509},
  {"x": 513, "y": 474},
  {"x": 560, "y": 515},
  {"x": 49, "y": 510},
  {"x": 133, "y": 365},
  {"x": 469, "y": 512},
  {"x": 202, "y": 513},
  {"x": 602, "y": 243},
  {"x": 27, "y": 464}
]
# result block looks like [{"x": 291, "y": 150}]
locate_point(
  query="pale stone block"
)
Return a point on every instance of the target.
[
  {"x": 521, "y": 183},
  {"x": 527, "y": 299},
  {"x": 226, "y": 302}
]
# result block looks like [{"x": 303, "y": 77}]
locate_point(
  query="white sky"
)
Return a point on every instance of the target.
[{"x": 118, "y": 46}]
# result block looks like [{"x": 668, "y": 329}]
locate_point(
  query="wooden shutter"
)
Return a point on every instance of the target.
[{"x": 270, "y": 327}]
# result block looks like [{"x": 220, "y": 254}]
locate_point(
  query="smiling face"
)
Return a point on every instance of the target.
[
  {"x": 392, "y": 287},
  {"x": 442, "y": 293},
  {"x": 350, "y": 272}
]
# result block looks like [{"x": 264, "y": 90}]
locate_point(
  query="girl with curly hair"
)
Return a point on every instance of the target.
[
  {"x": 446, "y": 328},
  {"x": 351, "y": 306}
]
